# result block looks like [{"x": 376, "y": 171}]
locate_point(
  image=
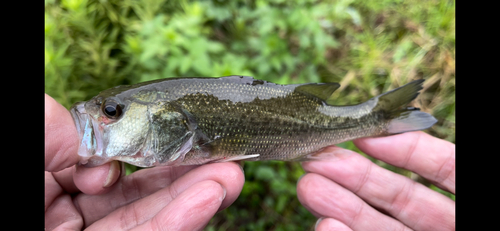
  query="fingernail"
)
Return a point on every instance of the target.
[
  {"x": 113, "y": 173},
  {"x": 240, "y": 163},
  {"x": 317, "y": 222},
  {"x": 223, "y": 196},
  {"x": 123, "y": 171}
]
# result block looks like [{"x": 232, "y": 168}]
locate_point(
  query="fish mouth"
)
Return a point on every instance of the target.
[{"x": 90, "y": 148}]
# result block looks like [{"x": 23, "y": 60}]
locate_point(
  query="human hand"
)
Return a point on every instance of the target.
[
  {"x": 102, "y": 198},
  {"x": 352, "y": 193}
]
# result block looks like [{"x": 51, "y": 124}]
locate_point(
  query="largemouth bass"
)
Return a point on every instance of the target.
[{"x": 192, "y": 121}]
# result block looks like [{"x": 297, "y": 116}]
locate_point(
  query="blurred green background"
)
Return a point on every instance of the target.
[{"x": 368, "y": 46}]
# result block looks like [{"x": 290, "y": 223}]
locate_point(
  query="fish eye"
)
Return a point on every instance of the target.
[{"x": 111, "y": 109}]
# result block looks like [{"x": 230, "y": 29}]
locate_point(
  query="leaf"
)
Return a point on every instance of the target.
[
  {"x": 148, "y": 54},
  {"x": 282, "y": 202},
  {"x": 402, "y": 50},
  {"x": 185, "y": 65},
  {"x": 215, "y": 47},
  {"x": 356, "y": 18},
  {"x": 265, "y": 173},
  {"x": 149, "y": 77},
  {"x": 304, "y": 40},
  {"x": 201, "y": 64},
  {"x": 276, "y": 63}
]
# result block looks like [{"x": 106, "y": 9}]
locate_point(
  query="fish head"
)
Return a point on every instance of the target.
[
  {"x": 109, "y": 128},
  {"x": 132, "y": 130}
]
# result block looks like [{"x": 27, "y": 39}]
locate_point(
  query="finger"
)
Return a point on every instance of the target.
[
  {"x": 128, "y": 189},
  {"x": 413, "y": 204},
  {"x": 432, "y": 158},
  {"x": 61, "y": 138},
  {"x": 141, "y": 184},
  {"x": 60, "y": 212},
  {"x": 325, "y": 224},
  {"x": 89, "y": 180},
  {"x": 325, "y": 198},
  {"x": 62, "y": 215},
  {"x": 191, "y": 210},
  {"x": 52, "y": 189},
  {"x": 65, "y": 179},
  {"x": 97, "y": 180}
]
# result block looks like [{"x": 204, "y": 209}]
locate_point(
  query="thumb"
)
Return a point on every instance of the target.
[{"x": 61, "y": 137}]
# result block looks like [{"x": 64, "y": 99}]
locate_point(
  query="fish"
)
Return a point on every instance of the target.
[{"x": 199, "y": 120}]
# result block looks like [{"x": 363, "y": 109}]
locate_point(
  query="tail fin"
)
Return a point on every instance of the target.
[
  {"x": 410, "y": 121},
  {"x": 407, "y": 119}
]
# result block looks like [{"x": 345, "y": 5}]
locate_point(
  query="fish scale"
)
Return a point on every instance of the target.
[
  {"x": 186, "y": 121},
  {"x": 266, "y": 127}
]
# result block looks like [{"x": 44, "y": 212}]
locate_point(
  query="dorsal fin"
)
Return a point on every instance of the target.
[{"x": 322, "y": 91}]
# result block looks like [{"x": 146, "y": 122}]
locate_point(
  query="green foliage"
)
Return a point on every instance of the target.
[{"x": 369, "y": 46}]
